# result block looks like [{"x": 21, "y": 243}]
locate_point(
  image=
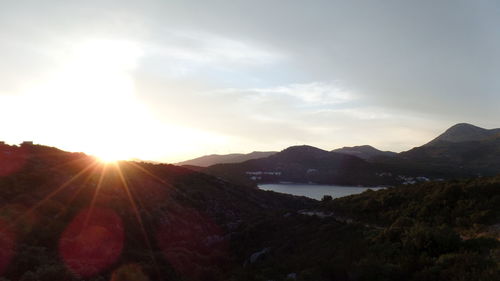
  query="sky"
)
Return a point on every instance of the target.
[{"x": 172, "y": 80}]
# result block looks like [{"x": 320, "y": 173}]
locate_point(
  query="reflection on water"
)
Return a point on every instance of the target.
[{"x": 315, "y": 191}]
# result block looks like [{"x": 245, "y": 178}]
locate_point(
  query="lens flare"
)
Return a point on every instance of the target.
[
  {"x": 7, "y": 245},
  {"x": 92, "y": 241},
  {"x": 129, "y": 272},
  {"x": 12, "y": 159},
  {"x": 19, "y": 218}
]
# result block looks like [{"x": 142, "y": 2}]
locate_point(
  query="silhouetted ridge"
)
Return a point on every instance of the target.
[
  {"x": 301, "y": 164},
  {"x": 463, "y": 132},
  {"x": 364, "y": 151},
  {"x": 208, "y": 160},
  {"x": 67, "y": 216},
  {"x": 301, "y": 151}
]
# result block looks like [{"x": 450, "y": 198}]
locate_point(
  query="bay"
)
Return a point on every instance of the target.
[{"x": 315, "y": 191}]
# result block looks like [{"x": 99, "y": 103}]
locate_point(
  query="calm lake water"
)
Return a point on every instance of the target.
[{"x": 315, "y": 191}]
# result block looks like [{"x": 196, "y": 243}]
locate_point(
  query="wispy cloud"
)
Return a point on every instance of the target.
[
  {"x": 183, "y": 53},
  {"x": 303, "y": 94}
]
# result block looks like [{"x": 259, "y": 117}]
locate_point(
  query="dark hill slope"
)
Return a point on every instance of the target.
[
  {"x": 464, "y": 132},
  {"x": 462, "y": 151},
  {"x": 481, "y": 157},
  {"x": 64, "y": 216},
  {"x": 462, "y": 204}
]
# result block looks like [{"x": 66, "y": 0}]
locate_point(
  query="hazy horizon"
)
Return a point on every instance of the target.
[{"x": 173, "y": 80}]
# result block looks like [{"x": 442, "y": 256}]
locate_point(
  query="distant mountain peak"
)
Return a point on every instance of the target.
[
  {"x": 463, "y": 125},
  {"x": 363, "y": 151},
  {"x": 212, "y": 159},
  {"x": 463, "y": 132},
  {"x": 360, "y": 147},
  {"x": 302, "y": 148}
]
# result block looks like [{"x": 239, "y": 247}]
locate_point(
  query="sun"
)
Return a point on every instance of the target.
[
  {"x": 108, "y": 158},
  {"x": 109, "y": 152},
  {"x": 94, "y": 95}
]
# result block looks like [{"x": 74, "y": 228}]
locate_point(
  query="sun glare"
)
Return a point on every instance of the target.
[
  {"x": 90, "y": 103},
  {"x": 109, "y": 158},
  {"x": 107, "y": 151}
]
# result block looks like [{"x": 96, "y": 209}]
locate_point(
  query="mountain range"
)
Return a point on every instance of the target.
[
  {"x": 459, "y": 133},
  {"x": 464, "y": 132},
  {"x": 464, "y": 150},
  {"x": 300, "y": 164},
  {"x": 366, "y": 152},
  {"x": 209, "y": 160}
]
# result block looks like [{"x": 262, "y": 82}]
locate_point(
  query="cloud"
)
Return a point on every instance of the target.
[
  {"x": 436, "y": 59},
  {"x": 314, "y": 93},
  {"x": 204, "y": 47},
  {"x": 315, "y": 113},
  {"x": 186, "y": 53}
]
